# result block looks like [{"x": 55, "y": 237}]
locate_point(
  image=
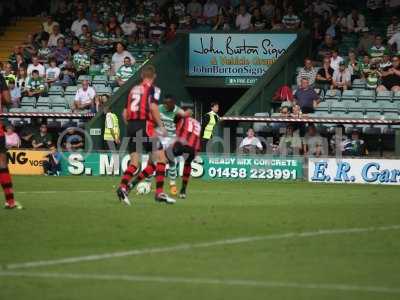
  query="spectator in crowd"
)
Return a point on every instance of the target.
[
  {"x": 19, "y": 62},
  {"x": 354, "y": 146},
  {"x": 52, "y": 162},
  {"x": 157, "y": 29},
  {"x": 128, "y": 26},
  {"x": 251, "y": 144},
  {"x": 118, "y": 57},
  {"x": 36, "y": 65},
  {"x": 43, "y": 139},
  {"x": 29, "y": 45},
  {"x": 210, "y": 11},
  {"x": 365, "y": 66},
  {"x": 243, "y": 19},
  {"x": 393, "y": 27},
  {"x": 313, "y": 143},
  {"x": 306, "y": 97},
  {"x": 296, "y": 111},
  {"x": 81, "y": 61},
  {"x": 194, "y": 9},
  {"x": 366, "y": 41},
  {"x": 327, "y": 46},
  {"x": 391, "y": 77},
  {"x": 353, "y": 65},
  {"x": 49, "y": 24},
  {"x": 8, "y": 73},
  {"x": 12, "y": 139},
  {"x": 291, "y": 20},
  {"x": 378, "y": 50},
  {"x": 341, "y": 79},
  {"x": 84, "y": 98},
  {"x": 324, "y": 75},
  {"x": 126, "y": 71},
  {"x": 26, "y": 138},
  {"x": 355, "y": 21},
  {"x": 101, "y": 40},
  {"x": 373, "y": 77},
  {"x": 76, "y": 27},
  {"x": 15, "y": 93},
  {"x": 308, "y": 71},
  {"x": 44, "y": 52},
  {"x": 290, "y": 143},
  {"x": 268, "y": 10},
  {"x": 72, "y": 140},
  {"x": 258, "y": 21},
  {"x": 55, "y": 36},
  {"x": 394, "y": 42},
  {"x": 35, "y": 85},
  {"x": 320, "y": 7},
  {"x": 22, "y": 78},
  {"x": 52, "y": 72},
  {"x": 61, "y": 53},
  {"x": 336, "y": 60}
]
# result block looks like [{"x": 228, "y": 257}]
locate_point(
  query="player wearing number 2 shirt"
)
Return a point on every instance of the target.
[
  {"x": 141, "y": 115},
  {"x": 187, "y": 143}
]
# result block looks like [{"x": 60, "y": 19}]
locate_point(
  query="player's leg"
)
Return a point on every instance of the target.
[
  {"x": 5, "y": 178},
  {"x": 172, "y": 173},
  {"x": 160, "y": 176},
  {"x": 147, "y": 173},
  {"x": 189, "y": 157}
]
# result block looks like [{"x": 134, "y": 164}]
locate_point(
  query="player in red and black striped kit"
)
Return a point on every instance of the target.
[
  {"x": 188, "y": 131},
  {"x": 5, "y": 178},
  {"x": 141, "y": 115}
]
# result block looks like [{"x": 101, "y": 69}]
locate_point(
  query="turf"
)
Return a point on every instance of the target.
[{"x": 78, "y": 216}]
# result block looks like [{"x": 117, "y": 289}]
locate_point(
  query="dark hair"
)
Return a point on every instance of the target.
[
  {"x": 35, "y": 72},
  {"x": 169, "y": 96},
  {"x": 214, "y": 103}
]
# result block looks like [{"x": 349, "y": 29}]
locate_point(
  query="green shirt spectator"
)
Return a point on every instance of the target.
[
  {"x": 81, "y": 60},
  {"x": 42, "y": 140},
  {"x": 35, "y": 84},
  {"x": 126, "y": 71}
]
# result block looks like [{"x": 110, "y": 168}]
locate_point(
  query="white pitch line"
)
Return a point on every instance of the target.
[
  {"x": 182, "y": 247},
  {"x": 206, "y": 281}
]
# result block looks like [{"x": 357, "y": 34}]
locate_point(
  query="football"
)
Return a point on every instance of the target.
[{"x": 143, "y": 188}]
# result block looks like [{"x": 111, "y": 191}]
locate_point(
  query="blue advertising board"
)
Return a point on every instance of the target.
[{"x": 236, "y": 54}]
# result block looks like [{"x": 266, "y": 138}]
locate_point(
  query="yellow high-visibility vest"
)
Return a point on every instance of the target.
[
  {"x": 208, "y": 130},
  {"x": 107, "y": 131}
]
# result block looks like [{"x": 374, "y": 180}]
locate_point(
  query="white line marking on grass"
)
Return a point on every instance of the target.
[
  {"x": 182, "y": 247},
  {"x": 209, "y": 281}
]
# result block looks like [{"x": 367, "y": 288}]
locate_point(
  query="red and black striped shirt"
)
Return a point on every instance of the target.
[
  {"x": 188, "y": 132},
  {"x": 139, "y": 102}
]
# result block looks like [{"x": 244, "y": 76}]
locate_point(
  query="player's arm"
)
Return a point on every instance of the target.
[{"x": 155, "y": 113}]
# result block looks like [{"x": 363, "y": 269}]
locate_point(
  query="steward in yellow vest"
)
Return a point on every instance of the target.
[
  {"x": 111, "y": 129},
  {"x": 209, "y": 121}
]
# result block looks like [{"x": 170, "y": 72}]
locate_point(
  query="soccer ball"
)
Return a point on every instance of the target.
[{"x": 143, "y": 188}]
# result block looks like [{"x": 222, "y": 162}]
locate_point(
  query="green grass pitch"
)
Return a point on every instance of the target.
[{"x": 228, "y": 240}]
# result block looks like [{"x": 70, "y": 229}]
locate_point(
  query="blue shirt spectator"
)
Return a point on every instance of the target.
[{"x": 306, "y": 97}]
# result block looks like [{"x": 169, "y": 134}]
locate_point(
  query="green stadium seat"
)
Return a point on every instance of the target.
[
  {"x": 391, "y": 115},
  {"x": 366, "y": 95},
  {"x": 58, "y": 109},
  {"x": 384, "y": 95},
  {"x": 43, "y": 102},
  {"x": 43, "y": 109},
  {"x": 325, "y": 105},
  {"x": 55, "y": 90},
  {"x": 261, "y": 126},
  {"x": 359, "y": 84},
  {"x": 103, "y": 90},
  {"x": 338, "y": 114},
  {"x": 100, "y": 79},
  {"x": 70, "y": 101},
  {"x": 71, "y": 90},
  {"x": 28, "y": 101},
  {"x": 332, "y": 95},
  {"x": 321, "y": 114},
  {"x": 356, "y": 106},
  {"x": 396, "y": 96},
  {"x": 339, "y": 106},
  {"x": 374, "y": 107},
  {"x": 57, "y": 101},
  {"x": 84, "y": 77},
  {"x": 140, "y": 58},
  {"x": 373, "y": 114},
  {"x": 349, "y": 95},
  {"x": 135, "y": 47},
  {"x": 356, "y": 114},
  {"x": 15, "y": 110},
  {"x": 389, "y": 106}
]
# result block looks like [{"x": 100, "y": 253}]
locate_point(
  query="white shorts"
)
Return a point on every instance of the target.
[{"x": 166, "y": 141}]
